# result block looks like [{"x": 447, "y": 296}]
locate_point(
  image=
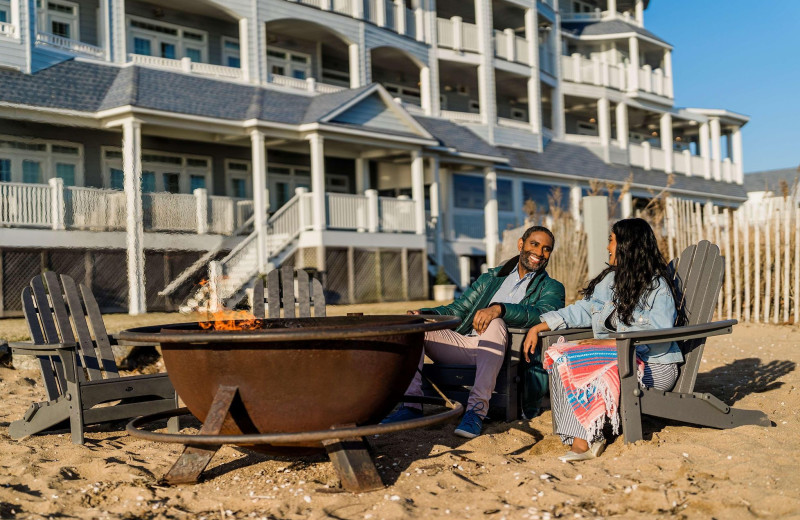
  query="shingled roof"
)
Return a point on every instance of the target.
[{"x": 606, "y": 28}]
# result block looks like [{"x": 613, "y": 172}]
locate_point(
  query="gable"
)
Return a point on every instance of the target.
[{"x": 372, "y": 112}]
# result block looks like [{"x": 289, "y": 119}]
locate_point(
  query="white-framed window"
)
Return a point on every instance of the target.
[
  {"x": 231, "y": 54},
  {"x": 165, "y": 40},
  {"x": 239, "y": 179},
  {"x": 288, "y": 63},
  {"x": 283, "y": 180},
  {"x": 5, "y": 11},
  {"x": 36, "y": 161},
  {"x": 59, "y": 17},
  {"x": 161, "y": 171}
]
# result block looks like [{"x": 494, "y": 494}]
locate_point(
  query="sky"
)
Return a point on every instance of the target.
[{"x": 741, "y": 56}]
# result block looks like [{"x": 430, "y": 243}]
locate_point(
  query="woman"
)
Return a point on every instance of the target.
[{"x": 632, "y": 293}]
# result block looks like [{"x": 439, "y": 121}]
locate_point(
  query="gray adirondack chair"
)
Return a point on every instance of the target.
[
  {"x": 309, "y": 295},
  {"x": 79, "y": 373},
  {"x": 697, "y": 277}
]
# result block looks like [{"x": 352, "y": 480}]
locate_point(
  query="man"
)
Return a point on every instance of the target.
[{"x": 515, "y": 295}]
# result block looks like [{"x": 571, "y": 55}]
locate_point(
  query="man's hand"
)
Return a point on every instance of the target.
[
  {"x": 414, "y": 312},
  {"x": 529, "y": 345},
  {"x": 484, "y": 317}
]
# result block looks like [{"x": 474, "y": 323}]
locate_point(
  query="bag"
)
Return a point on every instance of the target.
[{"x": 535, "y": 385}]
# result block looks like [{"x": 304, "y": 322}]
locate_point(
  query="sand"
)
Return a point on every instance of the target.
[{"x": 511, "y": 471}]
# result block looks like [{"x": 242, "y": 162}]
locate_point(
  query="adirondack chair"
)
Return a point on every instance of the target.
[
  {"x": 697, "y": 277},
  {"x": 309, "y": 292},
  {"x": 456, "y": 380},
  {"x": 79, "y": 374}
]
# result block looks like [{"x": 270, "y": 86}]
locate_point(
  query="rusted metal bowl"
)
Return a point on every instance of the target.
[{"x": 295, "y": 375}]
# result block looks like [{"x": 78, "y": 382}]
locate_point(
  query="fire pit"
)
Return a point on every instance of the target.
[{"x": 289, "y": 384}]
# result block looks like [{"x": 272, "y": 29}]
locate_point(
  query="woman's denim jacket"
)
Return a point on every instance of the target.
[{"x": 656, "y": 311}]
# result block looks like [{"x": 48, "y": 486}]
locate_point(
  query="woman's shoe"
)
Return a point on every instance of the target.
[{"x": 594, "y": 451}]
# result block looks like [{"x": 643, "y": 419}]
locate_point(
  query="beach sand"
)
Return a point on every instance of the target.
[{"x": 510, "y": 471}]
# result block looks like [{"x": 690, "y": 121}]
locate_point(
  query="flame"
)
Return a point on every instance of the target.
[{"x": 230, "y": 320}]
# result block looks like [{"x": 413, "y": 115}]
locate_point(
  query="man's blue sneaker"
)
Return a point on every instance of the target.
[
  {"x": 404, "y": 413},
  {"x": 471, "y": 424}
]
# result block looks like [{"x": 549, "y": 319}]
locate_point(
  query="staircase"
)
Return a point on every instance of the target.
[{"x": 229, "y": 278}]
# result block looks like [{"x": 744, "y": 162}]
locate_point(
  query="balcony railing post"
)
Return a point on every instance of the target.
[
  {"x": 372, "y": 210},
  {"x": 302, "y": 208},
  {"x": 647, "y": 158},
  {"x": 399, "y": 16},
  {"x": 311, "y": 84},
  {"x": 419, "y": 23},
  {"x": 458, "y": 33},
  {"x": 576, "y": 66},
  {"x": 687, "y": 157},
  {"x": 186, "y": 64},
  {"x": 201, "y": 203},
  {"x": 511, "y": 44},
  {"x": 57, "y": 200}
]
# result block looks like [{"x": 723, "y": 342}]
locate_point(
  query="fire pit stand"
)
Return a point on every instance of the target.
[{"x": 346, "y": 445}]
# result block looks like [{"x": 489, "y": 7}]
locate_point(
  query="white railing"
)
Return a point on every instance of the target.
[
  {"x": 445, "y": 33},
  {"x": 7, "y": 29},
  {"x": 657, "y": 159},
  {"x": 513, "y": 123},
  {"x": 95, "y": 209},
  {"x": 26, "y": 204},
  {"x": 67, "y": 44},
  {"x": 457, "y": 35},
  {"x": 221, "y": 215},
  {"x": 347, "y": 211},
  {"x": 287, "y": 81},
  {"x": 343, "y": 7},
  {"x": 510, "y": 47},
  {"x": 221, "y": 71},
  {"x": 727, "y": 170},
  {"x": 617, "y": 75},
  {"x": 170, "y": 211},
  {"x": 396, "y": 214},
  {"x": 501, "y": 45},
  {"x": 521, "y": 49},
  {"x": 313, "y": 3},
  {"x": 578, "y": 69},
  {"x": 237, "y": 268},
  {"x": 470, "y": 37},
  {"x": 467, "y": 117},
  {"x": 698, "y": 166},
  {"x": 585, "y": 139},
  {"x": 244, "y": 210},
  {"x": 325, "y": 88},
  {"x": 155, "y": 61},
  {"x": 372, "y": 11},
  {"x": 653, "y": 81},
  {"x": 680, "y": 162}
]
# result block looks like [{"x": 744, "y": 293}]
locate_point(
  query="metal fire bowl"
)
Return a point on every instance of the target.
[{"x": 295, "y": 375}]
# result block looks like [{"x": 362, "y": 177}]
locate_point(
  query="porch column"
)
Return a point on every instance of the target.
[
  {"x": 612, "y": 6},
  {"x": 705, "y": 153},
  {"x": 362, "y": 175},
  {"x": 355, "y": 65},
  {"x": 736, "y": 144},
  {"x": 666, "y": 141},
  {"x": 621, "y": 113},
  {"x": 639, "y": 12},
  {"x": 716, "y": 156},
  {"x": 486, "y": 90},
  {"x": 418, "y": 191},
  {"x": 668, "y": 73},
  {"x": 534, "y": 94},
  {"x": 435, "y": 211},
  {"x": 132, "y": 168},
  {"x": 104, "y": 23},
  {"x": 260, "y": 204},
  {"x": 117, "y": 34},
  {"x": 244, "y": 49},
  {"x": 626, "y": 205},
  {"x": 426, "y": 94},
  {"x": 380, "y": 13},
  {"x": 633, "y": 72},
  {"x": 491, "y": 220},
  {"x": 604, "y": 127},
  {"x": 318, "y": 220},
  {"x": 575, "y": 194}
]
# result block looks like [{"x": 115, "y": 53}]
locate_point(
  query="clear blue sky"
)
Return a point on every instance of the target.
[{"x": 742, "y": 56}]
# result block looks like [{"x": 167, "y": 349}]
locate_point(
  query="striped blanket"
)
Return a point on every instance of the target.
[{"x": 591, "y": 382}]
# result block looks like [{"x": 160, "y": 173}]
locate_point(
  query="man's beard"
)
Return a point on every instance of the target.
[{"x": 523, "y": 259}]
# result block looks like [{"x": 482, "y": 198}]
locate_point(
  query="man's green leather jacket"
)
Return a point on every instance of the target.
[{"x": 543, "y": 294}]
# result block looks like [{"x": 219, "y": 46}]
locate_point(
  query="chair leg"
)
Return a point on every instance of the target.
[
  {"x": 174, "y": 423},
  {"x": 75, "y": 413},
  {"x": 630, "y": 409}
]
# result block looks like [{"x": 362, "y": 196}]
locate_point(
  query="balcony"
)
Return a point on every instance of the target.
[
  {"x": 66, "y": 44},
  {"x": 455, "y": 34},
  {"x": 337, "y": 6},
  {"x": 579, "y": 69},
  {"x": 308, "y": 84},
  {"x": 598, "y": 15},
  {"x": 8, "y": 30},
  {"x": 187, "y": 65},
  {"x": 396, "y": 16},
  {"x": 511, "y": 47}
]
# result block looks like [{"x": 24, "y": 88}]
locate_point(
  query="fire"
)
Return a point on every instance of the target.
[{"x": 230, "y": 320}]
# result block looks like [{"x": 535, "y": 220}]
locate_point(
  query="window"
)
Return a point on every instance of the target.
[
  {"x": 539, "y": 194},
  {"x": 148, "y": 182},
  {"x": 31, "y": 172},
  {"x": 231, "y": 52},
  {"x": 284, "y": 180},
  {"x": 168, "y": 40},
  {"x": 240, "y": 179},
  {"x": 5, "y": 11},
  {"x": 172, "y": 182},
  {"x": 292, "y": 64},
  {"x": 117, "y": 179},
  {"x": 66, "y": 172},
  {"x": 59, "y": 17},
  {"x": 468, "y": 192},
  {"x": 196, "y": 181},
  {"x": 238, "y": 188},
  {"x": 505, "y": 200},
  {"x": 5, "y": 170}
]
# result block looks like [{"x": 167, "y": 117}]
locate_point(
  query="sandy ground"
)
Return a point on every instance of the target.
[{"x": 509, "y": 472}]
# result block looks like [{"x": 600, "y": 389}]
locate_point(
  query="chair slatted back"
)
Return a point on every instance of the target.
[
  {"x": 698, "y": 274},
  {"x": 54, "y": 312},
  {"x": 309, "y": 291}
]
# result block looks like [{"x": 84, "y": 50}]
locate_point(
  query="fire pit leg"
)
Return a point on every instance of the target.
[
  {"x": 194, "y": 459},
  {"x": 354, "y": 464}
]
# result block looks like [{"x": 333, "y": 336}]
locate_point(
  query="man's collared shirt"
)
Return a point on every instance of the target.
[{"x": 513, "y": 288}]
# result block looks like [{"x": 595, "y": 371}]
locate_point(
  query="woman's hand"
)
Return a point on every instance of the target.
[{"x": 529, "y": 345}]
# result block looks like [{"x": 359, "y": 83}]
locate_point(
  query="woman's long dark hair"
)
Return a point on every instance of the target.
[{"x": 639, "y": 267}]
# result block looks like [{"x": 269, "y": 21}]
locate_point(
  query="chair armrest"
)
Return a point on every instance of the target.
[
  {"x": 45, "y": 349},
  {"x": 566, "y": 332},
  {"x": 705, "y": 330},
  {"x": 114, "y": 339}
]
